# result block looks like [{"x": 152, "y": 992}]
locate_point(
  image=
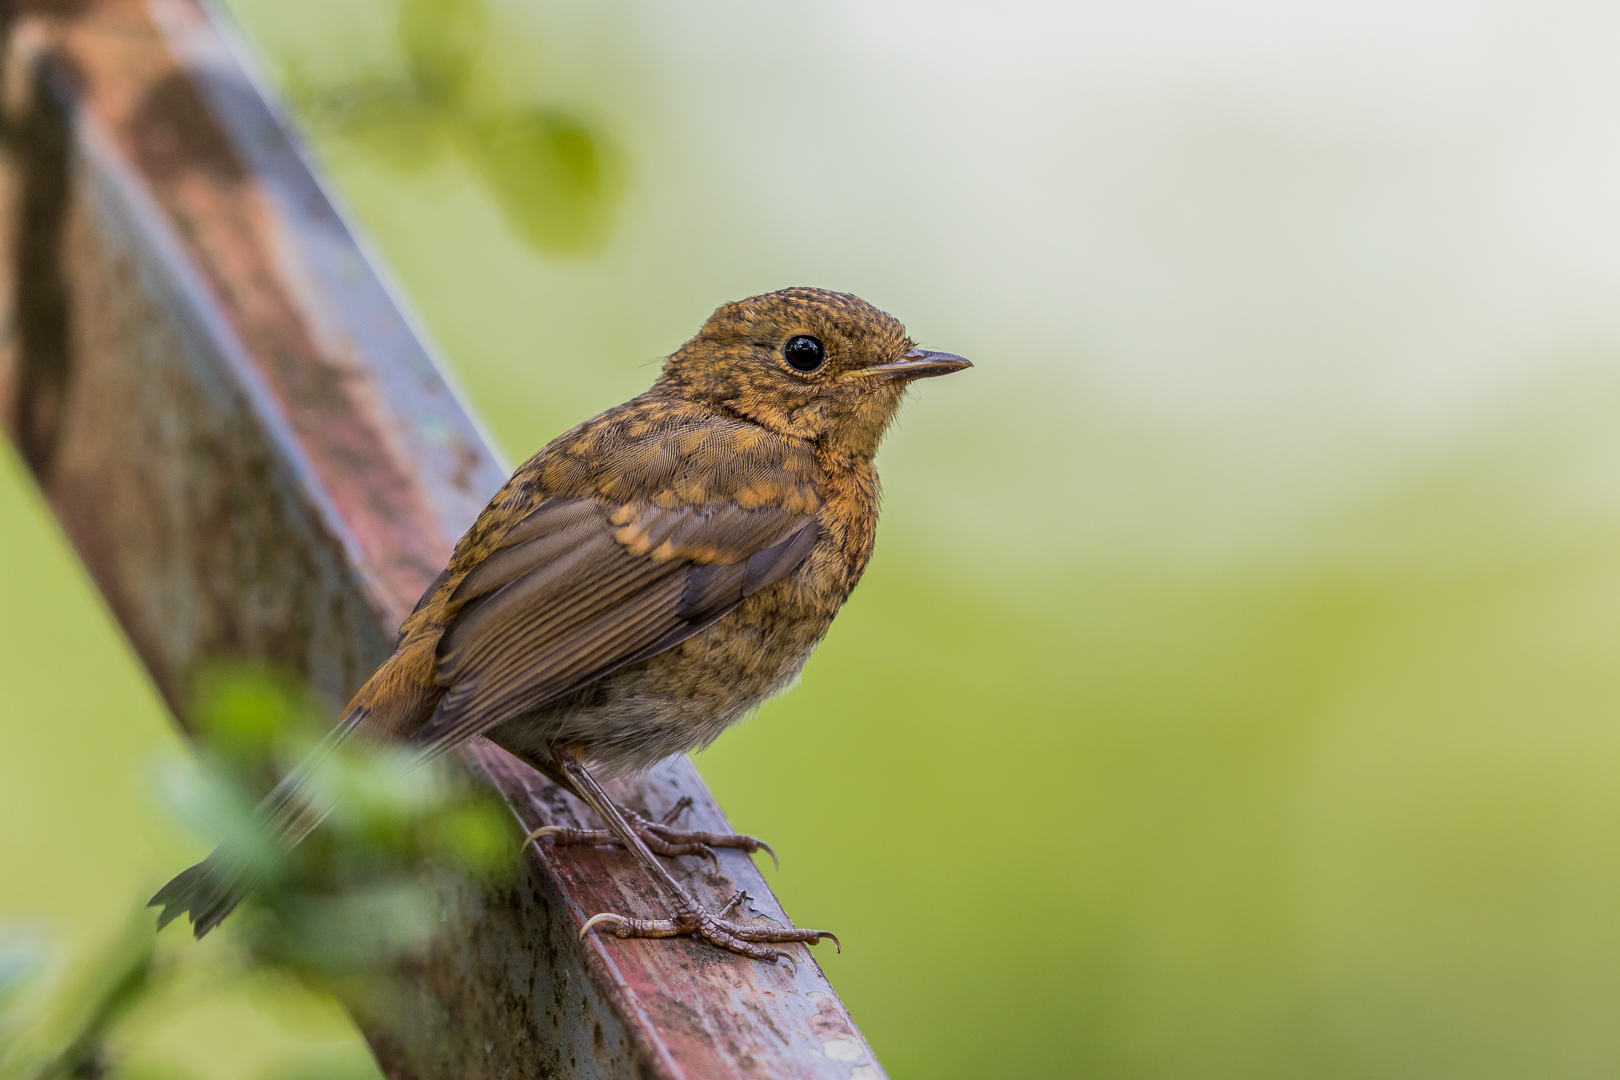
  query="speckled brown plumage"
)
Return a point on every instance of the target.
[{"x": 652, "y": 575}]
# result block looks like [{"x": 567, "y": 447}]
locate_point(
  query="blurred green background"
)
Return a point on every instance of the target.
[{"x": 1234, "y": 691}]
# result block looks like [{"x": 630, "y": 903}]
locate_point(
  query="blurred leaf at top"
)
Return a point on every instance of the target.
[
  {"x": 441, "y": 40},
  {"x": 549, "y": 174},
  {"x": 557, "y": 178}
]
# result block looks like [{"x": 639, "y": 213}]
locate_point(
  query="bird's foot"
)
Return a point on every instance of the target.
[
  {"x": 746, "y": 939},
  {"x": 660, "y": 836}
]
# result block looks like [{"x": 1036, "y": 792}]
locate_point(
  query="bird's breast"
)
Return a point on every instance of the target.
[{"x": 683, "y": 699}]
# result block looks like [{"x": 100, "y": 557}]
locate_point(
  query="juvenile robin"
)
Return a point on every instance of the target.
[{"x": 643, "y": 582}]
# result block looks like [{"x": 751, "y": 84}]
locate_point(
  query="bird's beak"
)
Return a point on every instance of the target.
[{"x": 917, "y": 364}]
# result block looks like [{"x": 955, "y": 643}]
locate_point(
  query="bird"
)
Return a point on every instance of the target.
[{"x": 642, "y": 583}]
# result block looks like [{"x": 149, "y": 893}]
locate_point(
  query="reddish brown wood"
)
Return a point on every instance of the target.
[{"x": 255, "y": 455}]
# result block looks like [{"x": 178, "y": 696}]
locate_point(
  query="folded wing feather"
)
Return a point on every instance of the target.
[{"x": 579, "y": 588}]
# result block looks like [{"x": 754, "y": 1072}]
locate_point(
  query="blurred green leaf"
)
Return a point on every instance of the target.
[
  {"x": 475, "y": 834},
  {"x": 213, "y": 804},
  {"x": 153, "y": 1071},
  {"x": 22, "y": 954},
  {"x": 557, "y": 181},
  {"x": 361, "y": 927},
  {"x": 441, "y": 40},
  {"x": 368, "y": 785},
  {"x": 244, "y": 712},
  {"x": 386, "y": 119},
  {"x": 362, "y": 890},
  {"x": 111, "y": 985},
  {"x": 326, "y": 1063}
]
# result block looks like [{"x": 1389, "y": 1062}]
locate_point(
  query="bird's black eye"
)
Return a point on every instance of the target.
[{"x": 804, "y": 353}]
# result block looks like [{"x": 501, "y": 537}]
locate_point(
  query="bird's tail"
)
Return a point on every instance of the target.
[
  {"x": 397, "y": 698},
  {"x": 208, "y": 891},
  {"x": 211, "y": 890}
]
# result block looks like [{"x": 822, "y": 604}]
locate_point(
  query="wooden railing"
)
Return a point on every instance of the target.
[{"x": 256, "y": 456}]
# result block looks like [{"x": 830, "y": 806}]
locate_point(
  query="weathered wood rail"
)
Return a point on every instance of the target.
[{"x": 256, "y": 456}]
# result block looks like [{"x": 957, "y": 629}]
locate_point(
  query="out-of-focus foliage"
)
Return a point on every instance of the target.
[
  {"x": 20, "y": 960},
  {"x": 364, "y": 892},
  {"x": 359, "y": 891},
  {"x": 548, "y": 172},
  {"x": 441, "y": 40},
  {"x": 89, "y": 1010},
  {"x": 558, "y": 178}
]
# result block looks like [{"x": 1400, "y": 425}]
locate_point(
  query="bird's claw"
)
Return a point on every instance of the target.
[
  {"x": 592, "y": 922},
  {"x": 741, "y": 841},
  {"x": 660, "y": 837},
  {"x": 745, "y": 939},
  {"x": 760, "y": 845},
  {"x": 544, "y": 830}
]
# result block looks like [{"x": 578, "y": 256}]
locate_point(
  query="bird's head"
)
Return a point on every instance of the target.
[{"x": 810, "y": 363}]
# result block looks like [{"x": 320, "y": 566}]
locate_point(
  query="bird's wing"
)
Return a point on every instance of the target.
[{"x": 579, "y": 587}]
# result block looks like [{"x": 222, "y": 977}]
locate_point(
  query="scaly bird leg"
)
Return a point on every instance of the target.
[
  {"x": 660, "y": 836},
  {"x": 690, "y": 917}
]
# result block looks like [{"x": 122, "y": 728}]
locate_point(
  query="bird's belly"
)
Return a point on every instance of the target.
[{"x": 680, "y": 700}]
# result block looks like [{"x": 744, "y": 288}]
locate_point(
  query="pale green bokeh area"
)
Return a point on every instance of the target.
[{"x": 1234, "y": 691}]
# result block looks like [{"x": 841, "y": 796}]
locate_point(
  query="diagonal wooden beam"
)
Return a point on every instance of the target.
[{"x": 255, "y": 455}]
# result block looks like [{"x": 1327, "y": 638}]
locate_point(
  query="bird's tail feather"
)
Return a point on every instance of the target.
[{"x": 210, "y": 890}]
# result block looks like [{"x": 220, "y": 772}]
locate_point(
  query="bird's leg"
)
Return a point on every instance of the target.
[
  {"x": 689, "y": 916},
  {"x": 660, "y": 836}
]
